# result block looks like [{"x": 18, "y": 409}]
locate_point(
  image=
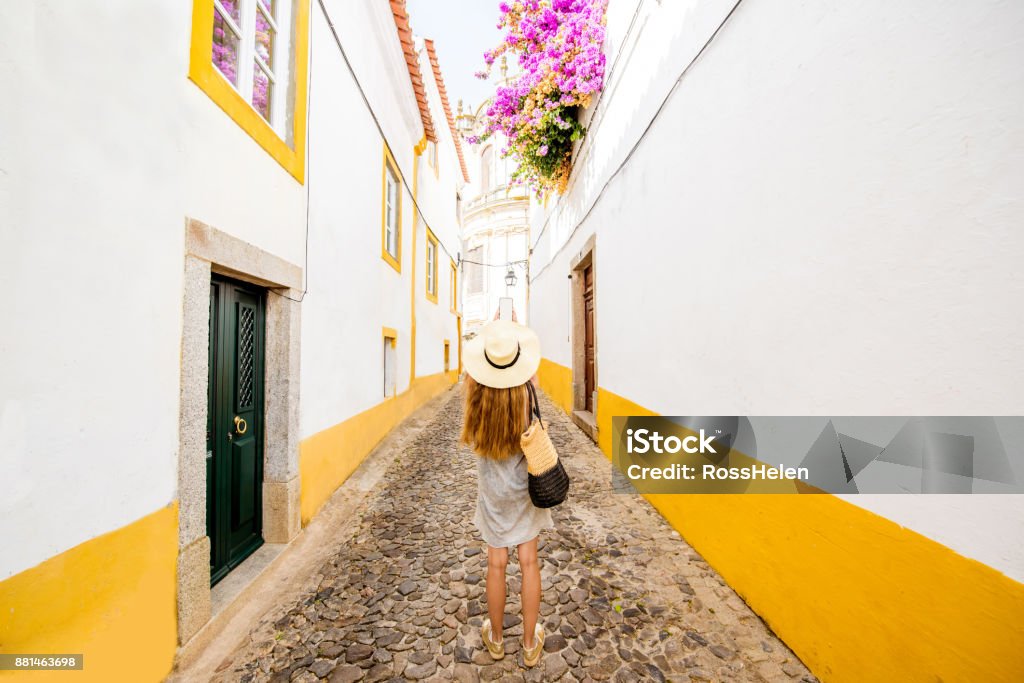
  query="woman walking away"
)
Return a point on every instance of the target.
[{"x": 500, "y": 361}]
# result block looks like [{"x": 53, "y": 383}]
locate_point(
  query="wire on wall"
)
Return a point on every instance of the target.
[
  {"x": 309, "y": 166},
  {"x": 376, "y": 121},
  {"x": 598, "y": 118},
  {"x": 639, "y": 140},
  {"x": 506, "y": 264}
]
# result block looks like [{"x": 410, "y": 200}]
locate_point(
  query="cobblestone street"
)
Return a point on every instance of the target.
[{"x": 624, "y": 597}]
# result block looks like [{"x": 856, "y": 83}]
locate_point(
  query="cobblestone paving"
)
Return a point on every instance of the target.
[{"x": 624, "y": 597}]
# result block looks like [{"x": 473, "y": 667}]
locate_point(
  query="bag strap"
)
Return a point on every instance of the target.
[{"x": 534, "y": 403}]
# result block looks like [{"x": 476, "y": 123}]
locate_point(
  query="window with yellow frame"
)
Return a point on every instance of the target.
[
  {"x": 391, "y": 213},
  {"x": 431, "y": 266},
  {"x": 251, "y": 58},
  {"x": 432, "y": 156},
  {"x": 453, "y": 281},
  {"x": 390, "y": 362}
]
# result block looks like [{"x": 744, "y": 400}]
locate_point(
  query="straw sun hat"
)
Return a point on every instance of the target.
[{"x": 503, "y": 354}]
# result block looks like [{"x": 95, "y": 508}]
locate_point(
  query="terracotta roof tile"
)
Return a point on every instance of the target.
[
  {"x": 439, "y": 79},
  {"x": 412, "y": 62}
]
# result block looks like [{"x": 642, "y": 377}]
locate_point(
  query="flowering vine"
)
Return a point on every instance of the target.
[{"x": 559, "y": 44}]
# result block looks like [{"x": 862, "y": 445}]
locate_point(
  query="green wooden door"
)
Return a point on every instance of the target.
[{"x": 234, "y": 435}]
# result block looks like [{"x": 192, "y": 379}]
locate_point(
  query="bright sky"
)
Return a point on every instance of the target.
[{"x": 461, "y": 31}]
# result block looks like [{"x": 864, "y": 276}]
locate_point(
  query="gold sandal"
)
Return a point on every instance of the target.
[
  {"x": 497, "y": 650},
  {"x": 532, "y": 655}
]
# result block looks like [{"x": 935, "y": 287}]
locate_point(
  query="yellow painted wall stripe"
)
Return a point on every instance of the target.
[
  {"x": 417, "y": 151},
  {"x": 458, "y": 328},
  {"x": 556, "y": 381},
  {"x": 856, "y": 596},
  {"x": 111, "y": 598},
  {"x": 329, "y": 457}
]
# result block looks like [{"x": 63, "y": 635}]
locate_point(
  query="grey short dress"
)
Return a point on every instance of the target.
[{"x": 505, "y": 515}]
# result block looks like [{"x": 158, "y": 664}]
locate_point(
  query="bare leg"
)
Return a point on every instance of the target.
[
  {"x": 530, "y": 573},
  {"x": 497, "y": 559}
]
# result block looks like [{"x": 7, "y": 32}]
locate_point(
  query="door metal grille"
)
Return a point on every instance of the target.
[{"x": 246, "y": 356}]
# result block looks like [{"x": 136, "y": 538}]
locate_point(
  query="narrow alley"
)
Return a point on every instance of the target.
[
  {"x": 253, "y": 248},
  {"x": 624, "y": 597}
]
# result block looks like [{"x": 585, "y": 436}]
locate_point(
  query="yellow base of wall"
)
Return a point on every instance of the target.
[
  {"x": 556, "y": 381},
  {"x": 111, "y": 599},
  {"x": 855, "y": 595},
  {"x": 327, "y": 458}
]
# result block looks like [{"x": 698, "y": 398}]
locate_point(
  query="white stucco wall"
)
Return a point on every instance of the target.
[
  {"x": 437, "y": 190},
  {"x": 823, "y": 220},
  {"x": 353, "y": 293},
  {"x": 101, "y": 162},
  {"x": 107, "y": 148}
]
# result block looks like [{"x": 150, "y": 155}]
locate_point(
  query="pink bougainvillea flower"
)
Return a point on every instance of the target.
[{"x": 559, "y": 46}]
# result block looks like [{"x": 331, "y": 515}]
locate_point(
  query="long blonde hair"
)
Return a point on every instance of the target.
[{"x": 494, "y": 419}]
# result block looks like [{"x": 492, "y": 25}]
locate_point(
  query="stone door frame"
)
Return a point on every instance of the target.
[
  {"x": 584, "y": 257},
  {"x": 207, "y": 251}
]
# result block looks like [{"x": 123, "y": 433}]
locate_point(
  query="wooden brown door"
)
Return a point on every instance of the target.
[{"x": 588, "y": 337}]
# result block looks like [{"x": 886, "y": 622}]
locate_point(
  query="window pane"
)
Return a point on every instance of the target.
[
  {"x": 264, "y": 40},
  {"x": 233, "y": 8},
  {"x": 262, "y": 91},
  {"x": 269, "y": 4},
  {"x": 392, "y": 214},
  {"x": 225, "y": 48},
  {"x": 391, "y": 196},
  {"x": 389, "y": 368},
  {"x": 474, "y": 271},
  {"x": 430, "y": 267}
]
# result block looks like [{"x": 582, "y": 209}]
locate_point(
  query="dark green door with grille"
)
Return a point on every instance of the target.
[{"x": 234, "y": 434}]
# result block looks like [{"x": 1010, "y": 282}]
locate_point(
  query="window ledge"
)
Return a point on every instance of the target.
[{"x": 391, "y": 261}]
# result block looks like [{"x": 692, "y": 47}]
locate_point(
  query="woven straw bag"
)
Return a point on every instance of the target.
[{"x": 548, "y": 480}]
